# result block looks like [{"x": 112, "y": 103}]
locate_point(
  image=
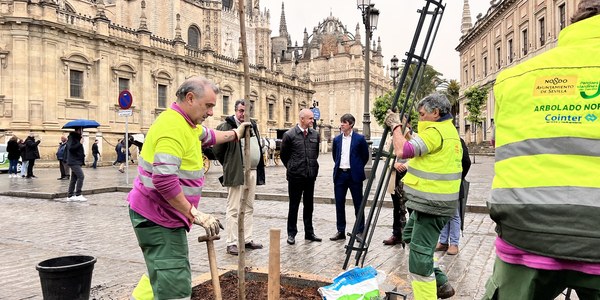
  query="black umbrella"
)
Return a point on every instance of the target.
[{"x": 81, "y": 123}]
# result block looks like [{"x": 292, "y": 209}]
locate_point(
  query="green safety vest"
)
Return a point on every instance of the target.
[
  {"x": 546, "y": 190},
  {"x": 432, "y": 181}
]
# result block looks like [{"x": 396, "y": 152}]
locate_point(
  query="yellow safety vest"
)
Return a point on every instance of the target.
[
  {"x": 432, "y": 181},
  {"x": 546, "y": 190}
]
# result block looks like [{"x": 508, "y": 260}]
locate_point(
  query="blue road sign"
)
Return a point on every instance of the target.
[
  {"x": 125, "y": 99},
  {"x": 316, "y": 113}
]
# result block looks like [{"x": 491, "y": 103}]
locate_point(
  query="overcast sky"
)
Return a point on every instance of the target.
[{"x": 396, "y": 27}]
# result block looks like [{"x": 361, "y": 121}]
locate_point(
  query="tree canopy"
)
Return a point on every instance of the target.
[{"x": 477, "y": 96}]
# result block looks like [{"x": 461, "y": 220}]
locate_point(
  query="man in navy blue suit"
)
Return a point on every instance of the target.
[{"x": 350, "y": 154}]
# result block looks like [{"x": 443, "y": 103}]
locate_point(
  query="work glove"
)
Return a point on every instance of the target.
[
  {"x": 392, "y": 120},
  {"x": 241, "y": 130},
  {"x": 207, "y": 221}
]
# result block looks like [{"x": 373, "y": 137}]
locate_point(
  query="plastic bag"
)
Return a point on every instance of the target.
[{"x": 354, "y": 284}]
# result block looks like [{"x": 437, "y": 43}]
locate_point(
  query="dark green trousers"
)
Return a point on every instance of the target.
[
  {"x": 521, "y": 282},
  {"x": 166, "y": 254},
  {"x": 422, "y": 231}
]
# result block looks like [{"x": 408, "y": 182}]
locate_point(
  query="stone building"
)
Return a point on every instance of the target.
[
  {"x": 510, "y": 32},
  {"x": 64, "y": 60},
  {"x": 332, "y": 59}
]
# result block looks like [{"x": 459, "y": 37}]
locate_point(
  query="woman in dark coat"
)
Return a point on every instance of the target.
[
  {"x": 12, "y": 147},
  {"x": 31, "y": 153}
]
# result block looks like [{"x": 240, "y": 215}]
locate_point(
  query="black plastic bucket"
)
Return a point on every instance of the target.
[{"x": 67, "y": 277}]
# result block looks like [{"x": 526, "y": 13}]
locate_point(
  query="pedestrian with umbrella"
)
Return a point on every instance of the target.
[{"x": 76, "y": 157}]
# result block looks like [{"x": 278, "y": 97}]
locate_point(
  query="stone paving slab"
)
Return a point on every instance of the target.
[{"x": 37, "y": 229}]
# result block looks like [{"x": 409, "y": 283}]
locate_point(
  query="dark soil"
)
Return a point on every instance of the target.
[{"x": 255, "y": 290}]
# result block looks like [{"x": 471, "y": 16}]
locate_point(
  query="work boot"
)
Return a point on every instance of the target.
[
  {"x": 445, "y": 291},
  {"x": 441, "y": 247},
  {"x": 452, "y": 250}
]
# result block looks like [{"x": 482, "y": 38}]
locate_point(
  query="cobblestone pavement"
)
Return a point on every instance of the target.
[{"x": 37, "y": 224}]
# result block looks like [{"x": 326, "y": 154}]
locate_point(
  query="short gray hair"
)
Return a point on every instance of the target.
[
  {"x": 238, "y": 102},
  {"x": 433, "y": 101},
  {"x": 197, "y": 85},
  {"x": 586, "y": 9}
]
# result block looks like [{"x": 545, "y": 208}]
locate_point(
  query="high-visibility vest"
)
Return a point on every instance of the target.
[
  {"x": 546, "y": 190},
  {"x": 433, "y": 180}
]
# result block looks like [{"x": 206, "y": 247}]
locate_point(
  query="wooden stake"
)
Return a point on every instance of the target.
[{"x": 274, "y": 264}]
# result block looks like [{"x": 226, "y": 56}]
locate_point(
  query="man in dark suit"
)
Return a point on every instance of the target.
[
  {"x": 299, "y": 153},
  {"x": 350, "y": 153}
]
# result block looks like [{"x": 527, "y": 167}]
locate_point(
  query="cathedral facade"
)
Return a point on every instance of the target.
[
  {"x": 63, "y": 60},
  {"x": 331, "y": 58},
  {"x": 510, "y": 32}
]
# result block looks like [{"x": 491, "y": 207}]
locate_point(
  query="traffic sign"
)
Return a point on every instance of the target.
[
  {"x": 125, "y": 99},
  {"x": 316, "y": 113},
  {"x": 125, "y": 112}
]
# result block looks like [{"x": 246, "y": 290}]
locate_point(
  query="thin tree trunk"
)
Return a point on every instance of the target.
[{"x": 242, "y": 210}]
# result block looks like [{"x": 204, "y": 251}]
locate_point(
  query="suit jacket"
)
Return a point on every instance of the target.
[{"x": 359, "y": 156}]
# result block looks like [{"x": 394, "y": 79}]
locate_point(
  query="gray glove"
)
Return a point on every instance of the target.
[
  {"x": 210, "y": 223},
  {"x": 392, "y": 120},
  {"x": 241, "y": 130}
]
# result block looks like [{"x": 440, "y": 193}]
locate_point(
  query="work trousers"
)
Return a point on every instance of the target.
[
  {"x": 450, "y": 234},
  {"x": 298, "y": 189},
  {"x": 167, "y": 260},
  {"x": 76, "y": 182},
  {"x": 233, "y": 208},
  {"x": 343, "y": 181},
  {"x": 510, "y": 281},
  {"x": 422, "y": 231}
]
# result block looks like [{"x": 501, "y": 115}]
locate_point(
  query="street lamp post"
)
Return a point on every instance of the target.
[
  {"x": 394, "y": 70},
  {"x": 370, "y": 16}
]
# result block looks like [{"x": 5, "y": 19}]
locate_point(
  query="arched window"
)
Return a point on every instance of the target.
[{"x": 194, "y": 37}]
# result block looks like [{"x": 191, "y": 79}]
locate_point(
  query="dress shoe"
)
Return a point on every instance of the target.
[
  {"x": 441, "y": 247},
  {"x": 253, "y": 245},
  {"x": 338, "y": 236},
  {"x": 445, "y": 291},
  {"x": 452, "y": 250},
  {"x": 312, "y": 237},
  {"x": 291, "y": 240},
  {"x": 392, "y": 240},
  {"x": 232, "y": 249}
]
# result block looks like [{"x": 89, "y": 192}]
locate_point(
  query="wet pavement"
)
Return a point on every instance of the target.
[{"x": 38, "y": 223}]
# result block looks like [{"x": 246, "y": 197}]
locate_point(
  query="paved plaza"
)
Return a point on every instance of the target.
[{"x": 38, "y": 223}]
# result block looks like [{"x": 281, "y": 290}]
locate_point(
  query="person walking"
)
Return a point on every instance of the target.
[
  {"x": 12, "y": 147},
  {"x": 546, "y": 193},
  {"x": 121, "y": 158},
  {"x": 163, "y": 203},
  {"x": 31, "y": 154},
  {"x": 431, "y": 186},
  {"x": 75, "y": 159},
  {"x": 61, "y": 156},
  {"x": 350, "y": 153},
  {"x": 450, "y": 234},
  {"x": 231, "y": 157},
  {"x": 299, "y": 152},
  {"x": 95, "y": 153}
]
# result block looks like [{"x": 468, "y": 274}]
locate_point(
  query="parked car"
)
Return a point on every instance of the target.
[
  {"x": 4, "y": 160},
  {"x": 375, "y": 145}
]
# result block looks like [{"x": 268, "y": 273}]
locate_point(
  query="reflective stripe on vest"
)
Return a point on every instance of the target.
[{"x": 436, "y": 175}]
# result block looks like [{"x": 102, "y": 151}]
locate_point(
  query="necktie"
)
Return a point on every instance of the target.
[{"x": 305, "y": 133}]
